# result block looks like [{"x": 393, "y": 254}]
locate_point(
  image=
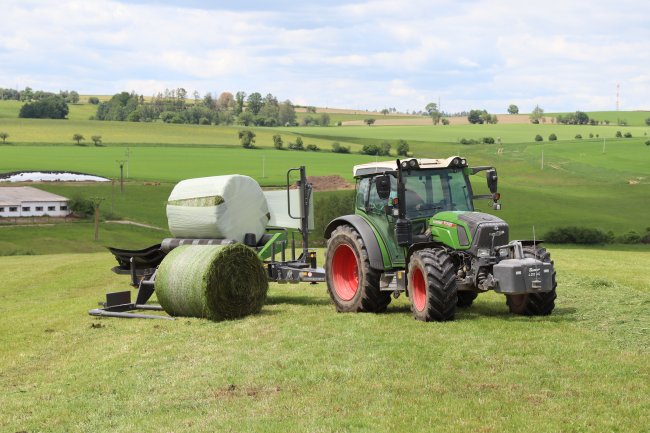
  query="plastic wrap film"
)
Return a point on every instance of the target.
[{"x": 217, "y": 207}]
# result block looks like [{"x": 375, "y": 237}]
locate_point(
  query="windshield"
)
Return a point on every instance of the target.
[{"x": 431, "y": 191}]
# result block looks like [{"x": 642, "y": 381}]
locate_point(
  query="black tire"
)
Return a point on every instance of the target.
[
  {"x": 351, "y": 283},
  {"x": 534, "y": 304},
  {"x": 465, "y": 299},
  {"x": 432, "y": 287}
]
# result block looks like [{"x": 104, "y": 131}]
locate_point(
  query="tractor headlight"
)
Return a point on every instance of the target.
[
  {"x": 483, "y": 252},
  {"x": 413, "y": 163},
  {"x": 455, "y": 162}
]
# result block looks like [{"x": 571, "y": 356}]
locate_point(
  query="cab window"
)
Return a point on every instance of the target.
[
  {"x": 362, "y": 192},
  {"x": 377, "y": 205}
]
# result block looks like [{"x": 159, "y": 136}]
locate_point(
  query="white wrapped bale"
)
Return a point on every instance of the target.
[{"x": 217, "y": 207}]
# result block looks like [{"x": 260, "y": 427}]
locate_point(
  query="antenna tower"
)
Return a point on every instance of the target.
[{"x": 618, "y": 96}]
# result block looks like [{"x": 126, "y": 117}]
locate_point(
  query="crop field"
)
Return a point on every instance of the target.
[{"x": 299, "y": 366}]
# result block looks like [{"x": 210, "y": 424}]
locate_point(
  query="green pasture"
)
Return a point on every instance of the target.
[
  {"x": 176, "y": 163},
  {"x": 73, "y": 237},
  {"x": 579, "y": 184},
  {"x": 300, "y": 366},
  {"x": 9, "y": 109},
  {"x": 632, "y": 118},
  {"x": 345, "y": 117},
  {"x": 517, "y": 133}
]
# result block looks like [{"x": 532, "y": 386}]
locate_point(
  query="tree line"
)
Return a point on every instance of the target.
[
  {"x": 40, "y": 104},
  {"x": 29, "y": 95},
  {"x": 173, "y": 106}
]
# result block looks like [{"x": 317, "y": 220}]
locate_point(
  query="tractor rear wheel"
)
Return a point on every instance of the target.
[
  {"x": 534, "y": 304},
  {"x": 351, "y": 283},
  {"x": 465, "y": 299},
  {"x": 432, "y": 287}
]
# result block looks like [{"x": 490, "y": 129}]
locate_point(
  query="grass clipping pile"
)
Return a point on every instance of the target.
[{"x": 211, "y": 281}]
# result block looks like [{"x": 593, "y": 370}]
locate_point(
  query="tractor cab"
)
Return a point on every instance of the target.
[{"x": 410, "y": 201}]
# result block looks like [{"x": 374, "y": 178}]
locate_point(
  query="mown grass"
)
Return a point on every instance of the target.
[
  {"x": 299, "y": 366},
  {"x": 73, "y": 237}
]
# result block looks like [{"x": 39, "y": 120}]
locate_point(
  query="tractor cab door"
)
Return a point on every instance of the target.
[{"x": 379, "y": 214}]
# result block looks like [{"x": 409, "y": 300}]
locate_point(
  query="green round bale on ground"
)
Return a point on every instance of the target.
[{"x": 212, "y": 281}]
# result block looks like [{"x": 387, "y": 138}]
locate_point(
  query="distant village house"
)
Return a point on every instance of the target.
[{"x": 25, "y": 201}]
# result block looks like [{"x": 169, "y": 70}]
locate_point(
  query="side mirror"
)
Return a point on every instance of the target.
[
  {"x": 383, "y": 186},
  {"x": 492, "y": 179}
]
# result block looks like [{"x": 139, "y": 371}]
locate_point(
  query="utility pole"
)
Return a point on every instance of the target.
[
  {"x": 96, "y": 201},
  {"x": 121, "y": 162}
]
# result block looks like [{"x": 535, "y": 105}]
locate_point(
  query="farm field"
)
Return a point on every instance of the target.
[
  {"x": 77, "y": 237},
  {"x": 517, "y": 133},
  {"x": 579, "y": 185},
  {"x": 299, "y": 366}
]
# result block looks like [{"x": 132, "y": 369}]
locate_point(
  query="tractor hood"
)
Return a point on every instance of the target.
[{"x": 468, "y": 230}]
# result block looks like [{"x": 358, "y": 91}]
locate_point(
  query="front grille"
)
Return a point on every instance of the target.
[{"x": 488, "y": 235}]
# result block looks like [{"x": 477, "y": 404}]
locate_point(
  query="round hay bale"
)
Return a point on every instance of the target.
[{"x": 211, "y": 281}]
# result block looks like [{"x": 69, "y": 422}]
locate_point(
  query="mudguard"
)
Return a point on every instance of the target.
[{"x": 367, "y": 234}]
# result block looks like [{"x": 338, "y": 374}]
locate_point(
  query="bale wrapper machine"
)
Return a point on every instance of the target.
[{"x": 290, "y": 221}]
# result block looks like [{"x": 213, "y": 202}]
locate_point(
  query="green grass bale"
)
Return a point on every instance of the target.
[{"x": 213, "y": 282}]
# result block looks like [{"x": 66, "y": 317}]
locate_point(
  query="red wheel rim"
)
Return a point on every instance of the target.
[
  {"x": 419, "y": 287},
  {"x": 345, "y": 272}
]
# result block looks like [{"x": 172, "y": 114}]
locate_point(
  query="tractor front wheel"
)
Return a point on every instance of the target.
[
  {"x": 534, "y": 304},
  {"x": 351, "y": 283},
  {"x": 432, "y": 287}
]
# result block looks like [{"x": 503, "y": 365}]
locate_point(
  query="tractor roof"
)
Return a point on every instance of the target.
[{"x": 384, "y": 166}]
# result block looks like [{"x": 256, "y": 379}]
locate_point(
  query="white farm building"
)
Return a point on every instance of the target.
[{"x": 25, "y": 201}]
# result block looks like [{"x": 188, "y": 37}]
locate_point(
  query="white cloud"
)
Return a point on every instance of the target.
[{"x": 373, "y": 54}]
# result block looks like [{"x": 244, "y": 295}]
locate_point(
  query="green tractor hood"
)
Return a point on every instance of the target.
[{"x": 463, "y": 230}]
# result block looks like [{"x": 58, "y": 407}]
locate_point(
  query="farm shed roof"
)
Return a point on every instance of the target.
[{"x": 21, "y": 194}]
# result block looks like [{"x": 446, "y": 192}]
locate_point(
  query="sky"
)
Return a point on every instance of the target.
[{"x": 465, "y": 54}]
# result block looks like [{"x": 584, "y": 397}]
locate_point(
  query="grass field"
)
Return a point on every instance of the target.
[
  {"x": 299, "y": 366},
  {"x": 579, "y": 184},
  {"x": 77, "y": 237}
]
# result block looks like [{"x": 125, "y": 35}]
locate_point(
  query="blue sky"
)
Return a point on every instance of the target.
[{"x": 563, "y": 55}]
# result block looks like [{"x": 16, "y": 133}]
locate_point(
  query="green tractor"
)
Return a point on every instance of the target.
[{"x": 415, "y": 230}]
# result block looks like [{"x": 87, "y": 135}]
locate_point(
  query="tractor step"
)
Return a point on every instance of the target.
[{"x": 393, "y": 281}]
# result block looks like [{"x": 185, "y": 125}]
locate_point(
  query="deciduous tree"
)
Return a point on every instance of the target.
[
  {"x": 433, "y": 111},
  {"x": 402, "y": 148},
  {"x": 247, "y": 138},
  {"x": 254, "y": 103},
  {"x": 536, "y": 115},
  {"x": 287, "y": 113},
  {"x": 78, "y": 138}
]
